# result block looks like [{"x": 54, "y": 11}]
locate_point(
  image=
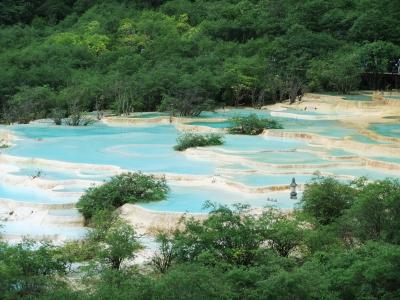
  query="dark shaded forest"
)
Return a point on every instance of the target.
[{"x": 58, "y": 57}]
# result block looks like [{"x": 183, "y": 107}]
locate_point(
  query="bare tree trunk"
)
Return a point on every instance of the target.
[
  {"x": 294, "y": 86},
  {"x": 124, "y": 100},
  {"x": 99, "y": 107},
  {"x": 253, "y": 97},
  {"x": 75, "y": 113}
]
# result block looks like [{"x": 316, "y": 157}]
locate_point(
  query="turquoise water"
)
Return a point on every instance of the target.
[
  {"x": 138, "y": 148},
  {"x": 360, "y": 171},
  {"x": 64, "y": 213},
  {"x": 150, "y": 115},
  {"x": 339, "y": 152},
  {"x": 285, "y": 158},
  {"x": 71, "y": 188},
  {"x": 259, "y": 112},
  {"x": 329, "y": 128},
  {"x": 52, "y": 174},
  {"x": 358, "y": 97},
  {"x": 212, "y": 124},
  {"x": 311, "y": 111},
  {"x": 148, "y": 149},
  {"x": 259, "y": 143},
  {"x": 366, "y": 96},
  {"x": 387, "y": 159},
  {"x": 192, "y": 199},
  {"x": 308, "y": 112},
  {"x": 25, "y": 194},
  {"x": 393, "y": 97},
  {"x": 258, "y": 180},
  {"x": 21, "y": 228},
  {"x": 267, "y": 150},
  {"x": 229, "y": 113},
  {"x": 390, "y": 130},
  {"x": 42, "y": 132},
  {"x": 364, "y": 139}
]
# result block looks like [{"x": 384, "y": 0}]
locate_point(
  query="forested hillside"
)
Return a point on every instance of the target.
[{"x": 58, "y": 57}]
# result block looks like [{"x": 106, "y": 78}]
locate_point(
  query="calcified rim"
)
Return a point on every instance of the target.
[
  {"x": 150, "y": 220},
  {"x": 196, "y": 180}
]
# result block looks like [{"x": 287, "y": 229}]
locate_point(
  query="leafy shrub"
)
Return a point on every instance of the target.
[
  {"x": 375, "y": 213},
  {"x": 29, "y": 268},
  {"x": 119, "y": 243},
  {"x": 252, "y": 125},
  {"x": 190, "y": 140},
  {"x": 325, "y": 199},
  {"x": 121, "y": 189}
]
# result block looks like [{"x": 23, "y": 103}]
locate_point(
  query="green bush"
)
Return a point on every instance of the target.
[
  {"x": 190, "y": 140},
  {"x": 325, "y": 199},
  {"x": 252, "y": 125},
  {"x": 121, "y": 189},
  {"x": 30, "y": 268}
]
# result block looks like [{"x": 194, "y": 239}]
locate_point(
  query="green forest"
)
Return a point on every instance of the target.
[
  {"x": 342, "y": 244},
  {"x": 62, "y": 57}
]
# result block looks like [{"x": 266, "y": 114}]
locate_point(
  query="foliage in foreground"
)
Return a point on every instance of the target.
[
  {"x": 189, "y": 140},
  {"x": 361, "y": 210},
  {"x": 252, "y": 125},
  {"x": 121, "y": 189},
  {"x": 112, "y": 241},
  {"x": 29, "y": 269},
  {"x": 351, "y": 252}
]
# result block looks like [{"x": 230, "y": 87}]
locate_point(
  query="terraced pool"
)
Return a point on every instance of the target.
[
  {"x": 148, "y": 149},
  {"x": 76, "y": 157},
  {"x": 358, "y": 97},
  {"x": 192, "y": 199},
  {"x": 32, "y": 194},
  {"x": 390, "y": 130},
  {"x": 328, "y": 128}
]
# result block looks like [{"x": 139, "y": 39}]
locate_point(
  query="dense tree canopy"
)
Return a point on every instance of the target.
[
  {"x": 186, "y": 55},
  {"x": 349, "y": 253}
]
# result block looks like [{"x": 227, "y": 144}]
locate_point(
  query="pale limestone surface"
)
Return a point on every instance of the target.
[{"x": 359, "y": 115}]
